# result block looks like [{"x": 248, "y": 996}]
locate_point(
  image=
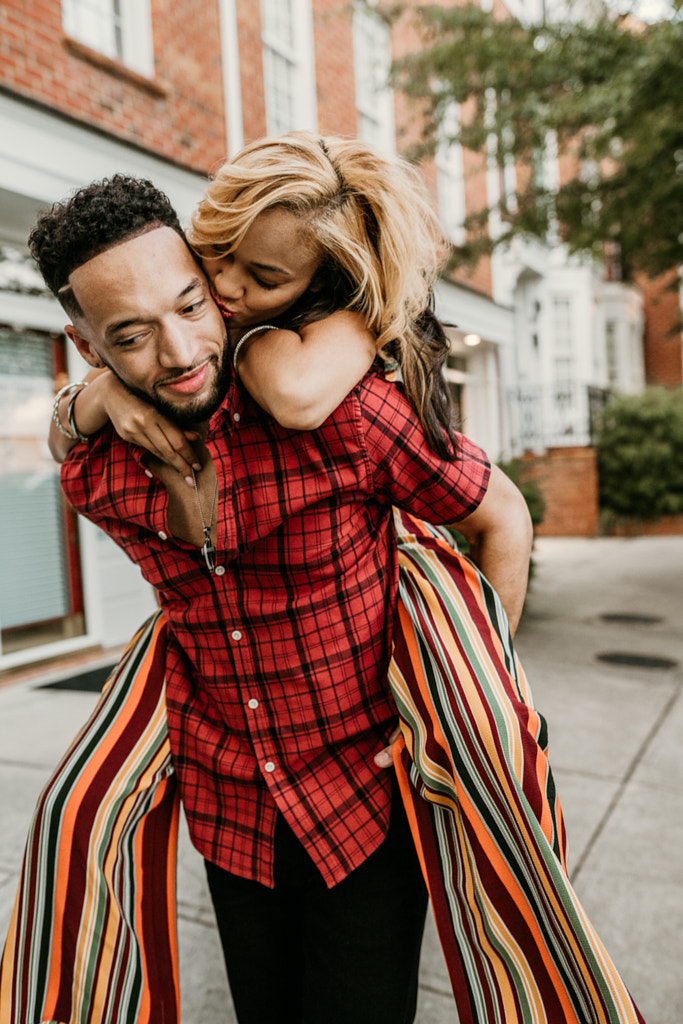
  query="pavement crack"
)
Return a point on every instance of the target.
[
  {"x": 35, "y": 766},
  {"x": 435, "y": 990},
  {"x": 628, "y": 775}
]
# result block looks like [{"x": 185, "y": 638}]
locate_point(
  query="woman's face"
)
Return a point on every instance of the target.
[{"x": 267, "y": 272}]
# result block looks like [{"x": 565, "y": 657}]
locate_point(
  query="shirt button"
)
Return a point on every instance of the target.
[
  {"x": 269, "y": 766},
  {"x": 162, "y": 536},
  {"x": 149, "y": 473},
  {"x": 236, "y": 417},
  {"x": 253, "y": 704},
  {"x": 236, "y": 635},
  {"x": 220, "y": 570}
]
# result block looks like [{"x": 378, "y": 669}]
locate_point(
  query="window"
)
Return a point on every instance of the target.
[
  {"x": 563, "y": 358},
  {"x": 41, "y": 598},
  {"x": 120, "y": 29},
  {"x": 371, "y": 62},
  {"x": 288, "y": 65},
  {"x": 546, "y": 172},
  {"x": 501, "y": 172},
  {"x": 612, "y": 354},
  {"x": 450, "y": 179}
]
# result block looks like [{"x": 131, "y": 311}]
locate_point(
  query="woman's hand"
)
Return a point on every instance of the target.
[
  {"x": 106, "y": 399},
  {"x": 385, "y": 757},
  {"x": 138, "y": 422}
]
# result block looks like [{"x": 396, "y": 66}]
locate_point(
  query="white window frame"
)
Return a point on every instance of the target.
[
  {"x": 371, "y": 64},
  {"x": 296, "y": 54},
  {"x": 120, "y": 29},
  {"x": 450, "y": 178},
  {"x": 563, "y": 313},
  {"x": 501, "y": 182}
]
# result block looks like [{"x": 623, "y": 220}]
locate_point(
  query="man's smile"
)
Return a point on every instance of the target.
[{"x": 189, "y": 383}]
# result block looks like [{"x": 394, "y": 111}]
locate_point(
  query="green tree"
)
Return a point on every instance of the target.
[
  {"x": 640, "y": 456},
  {"x": 610, "y": 90}
]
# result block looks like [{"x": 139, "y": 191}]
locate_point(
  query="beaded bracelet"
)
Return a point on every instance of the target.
[
  {"x": 68, "y": 389},
  {"x": 78, "y": 436},
  {"x": 254, "y": 330}
]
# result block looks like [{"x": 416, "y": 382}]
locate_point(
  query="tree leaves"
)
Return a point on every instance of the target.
[{"x": 612, "y": 92}]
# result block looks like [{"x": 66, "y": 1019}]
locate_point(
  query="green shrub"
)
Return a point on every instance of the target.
[{"x": 639, "y": 445}]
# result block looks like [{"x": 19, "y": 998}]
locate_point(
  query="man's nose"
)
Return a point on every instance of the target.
[{"x": 178, "y": 345}]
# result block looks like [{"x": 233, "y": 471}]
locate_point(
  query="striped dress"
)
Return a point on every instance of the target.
[{"x": 93, "y": 936}]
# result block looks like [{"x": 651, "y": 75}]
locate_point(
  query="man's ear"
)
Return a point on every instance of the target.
[{"x": 83, "y": 345}]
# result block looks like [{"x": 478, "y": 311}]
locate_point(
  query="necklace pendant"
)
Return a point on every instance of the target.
[{"x": 209, "y": 552}]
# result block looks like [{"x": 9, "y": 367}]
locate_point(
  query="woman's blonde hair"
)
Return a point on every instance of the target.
[{"x": 368, "y": 217}]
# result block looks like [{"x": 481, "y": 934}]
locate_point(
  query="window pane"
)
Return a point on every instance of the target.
[
  {"x": 97, "y": 23},
  {"x": 279, "y": 82},
  {"x": 371, "y": 62},
  {"x": 33, "y": 562},
  {"x": 278, "y": 21}
]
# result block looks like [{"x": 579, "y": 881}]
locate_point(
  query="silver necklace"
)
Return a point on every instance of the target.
[{"x": 208, "y": 549}]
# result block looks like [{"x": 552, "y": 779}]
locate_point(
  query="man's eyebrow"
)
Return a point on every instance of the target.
[{"x": 121, "y": 325}]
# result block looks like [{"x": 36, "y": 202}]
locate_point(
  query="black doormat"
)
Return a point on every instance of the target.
[{"x": 91, "y": 681}]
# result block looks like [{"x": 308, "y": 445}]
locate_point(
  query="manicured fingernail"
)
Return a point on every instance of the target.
[
  {"x": 196, "y": 466},
  {"x": 189, "y": 481}
]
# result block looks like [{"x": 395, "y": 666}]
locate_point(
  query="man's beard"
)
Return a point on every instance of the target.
[{"x": 192, "y": 413}]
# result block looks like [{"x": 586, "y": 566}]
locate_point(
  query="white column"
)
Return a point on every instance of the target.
[{"x": 232, "y": 91}]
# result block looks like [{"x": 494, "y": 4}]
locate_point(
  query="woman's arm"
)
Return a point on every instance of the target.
[
  {"x": 301, "y": 378},
  {"x": 106, "y": 399}
]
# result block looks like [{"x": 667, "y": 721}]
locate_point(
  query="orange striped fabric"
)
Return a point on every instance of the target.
[
  {"x": 475, "y": 779},
  {"x": 92, "y": 938}
]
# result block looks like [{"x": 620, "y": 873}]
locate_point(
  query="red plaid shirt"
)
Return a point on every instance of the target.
[{"x": 276, "y": 667}]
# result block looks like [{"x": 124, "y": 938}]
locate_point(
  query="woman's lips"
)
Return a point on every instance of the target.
[{"x": 223, "y": 308}]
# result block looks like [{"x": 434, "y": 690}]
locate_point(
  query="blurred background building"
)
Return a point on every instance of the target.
[{"x": 168, "y": 90}]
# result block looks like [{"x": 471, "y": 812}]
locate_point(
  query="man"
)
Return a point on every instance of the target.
[{"x": 277, "y": 576}]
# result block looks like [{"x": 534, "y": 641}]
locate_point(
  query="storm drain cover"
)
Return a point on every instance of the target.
[
  {"x": 630, "y": 619},
  {"x": 637, "y": 660}
]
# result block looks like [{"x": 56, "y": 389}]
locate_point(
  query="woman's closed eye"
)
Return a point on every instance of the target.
[{"x": 267, "y": 285}]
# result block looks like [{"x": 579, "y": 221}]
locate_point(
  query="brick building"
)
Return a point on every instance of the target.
[{"x": 167, "y": 90}]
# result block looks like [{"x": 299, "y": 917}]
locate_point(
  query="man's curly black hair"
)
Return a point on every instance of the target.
[{"x": 94, "y": 219}]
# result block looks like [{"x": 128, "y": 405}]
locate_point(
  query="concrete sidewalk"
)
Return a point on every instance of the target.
[{"x": 615, "y": 748}]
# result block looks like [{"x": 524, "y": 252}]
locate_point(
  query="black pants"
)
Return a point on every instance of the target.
[{"x": 305, "y": 954}]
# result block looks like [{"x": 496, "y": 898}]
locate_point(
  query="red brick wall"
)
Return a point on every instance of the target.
[
  {"x": 334, "y": 70},
  {"x": 662, "y": 344},
  {"x": 178, "y": 114},
  {"x": 568, "y": 481},
  {"x": 667, "y": 526}
]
